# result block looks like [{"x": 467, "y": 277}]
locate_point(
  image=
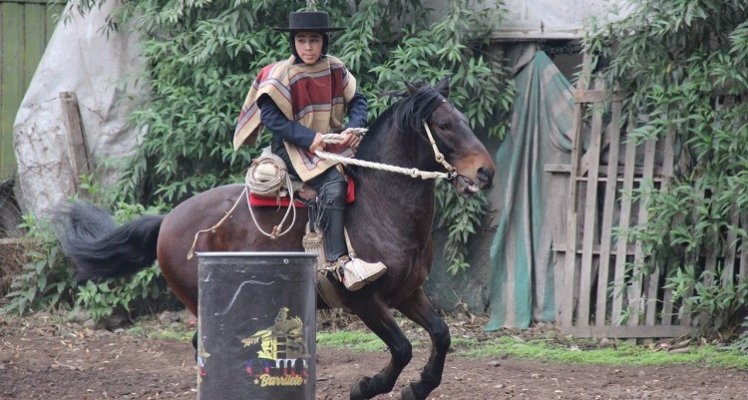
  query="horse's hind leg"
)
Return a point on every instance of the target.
[
  {"x": 379, "y": 319},
  {"x": 419, "y": 309}
]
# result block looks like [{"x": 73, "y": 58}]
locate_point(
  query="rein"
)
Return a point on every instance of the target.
[{"x": 412, "y": 172}]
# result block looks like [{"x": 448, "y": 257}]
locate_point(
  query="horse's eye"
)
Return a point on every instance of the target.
[{"x": 444, "y": 126}]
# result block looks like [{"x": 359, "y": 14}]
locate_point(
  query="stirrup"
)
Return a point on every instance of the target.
[{"x": 357, "y": 273}]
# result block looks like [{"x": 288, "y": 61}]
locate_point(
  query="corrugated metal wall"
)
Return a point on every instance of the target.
[{"x": 25, "y": 28}]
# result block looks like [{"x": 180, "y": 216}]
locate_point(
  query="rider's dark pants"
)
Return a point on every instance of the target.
[{"x": 331, "y": 188}]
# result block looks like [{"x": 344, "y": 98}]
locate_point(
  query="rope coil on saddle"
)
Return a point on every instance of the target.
[{"x": 265, "y": 177}]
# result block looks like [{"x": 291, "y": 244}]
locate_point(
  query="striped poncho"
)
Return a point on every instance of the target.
[{"x": 312, "y": 95}]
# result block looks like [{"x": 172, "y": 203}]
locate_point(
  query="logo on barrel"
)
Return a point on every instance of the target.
[{"x": 282, "y": 358}]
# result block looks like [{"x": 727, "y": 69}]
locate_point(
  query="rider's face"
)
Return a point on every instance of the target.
[{"x": 308, "y": 46}]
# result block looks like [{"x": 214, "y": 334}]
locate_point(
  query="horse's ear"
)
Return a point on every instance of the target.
[
  {"x": 443, "y": 86},
  {"x": 411, "y": 88}
]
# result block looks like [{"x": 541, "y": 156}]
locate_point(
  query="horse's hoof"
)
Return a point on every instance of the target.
[
  {"x": 357, "y": 391},
  {"x": 407, "y": 394}
]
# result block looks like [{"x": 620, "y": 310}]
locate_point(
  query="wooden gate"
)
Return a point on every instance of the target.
[
  {"x": 605, "y": 292},
  {"x": 25, "y": 28}
]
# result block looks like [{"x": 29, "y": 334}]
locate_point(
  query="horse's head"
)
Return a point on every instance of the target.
[{"x": 457, "y": 141}]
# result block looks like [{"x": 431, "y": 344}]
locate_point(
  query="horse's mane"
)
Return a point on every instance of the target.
[{"x": 406, "y": 116}]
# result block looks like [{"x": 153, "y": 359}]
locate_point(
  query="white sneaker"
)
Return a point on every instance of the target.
[{"x": 357, "y": 273}]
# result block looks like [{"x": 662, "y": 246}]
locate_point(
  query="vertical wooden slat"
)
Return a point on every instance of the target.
[
  {"x": 635, "y": 294},
  {"x": 614, "y": 139},
  {"x": 710, "y": 265},
  {"x": 3, "y": 144},
  {"x": 654, "y": 277},
  {"x": 711, "y": 260},
  {"x": 742, "y": 274},
  {"x": 683, "y": 315},
  {"x": 623, "y": 224},
  {"x": 667, "y": 175},
  {"x": 570, "y": 258},
  {"x": 12, "y": 87},
  {"x": 25, "y": 28},
  {"x": 34, "y": 28},
  {"x": 590, "y": 210},
  {"x": 729, "y": 268}
]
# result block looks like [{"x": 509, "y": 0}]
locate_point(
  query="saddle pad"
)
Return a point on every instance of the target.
[{"x": 268, "y": 201}]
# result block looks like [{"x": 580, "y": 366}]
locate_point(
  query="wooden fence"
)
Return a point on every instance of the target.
[
  {"x": 605, "y": 292},
  {"x": 25, "y": 29}
]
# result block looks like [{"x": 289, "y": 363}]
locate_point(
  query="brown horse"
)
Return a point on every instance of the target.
[{"x": 390, "y": 221}]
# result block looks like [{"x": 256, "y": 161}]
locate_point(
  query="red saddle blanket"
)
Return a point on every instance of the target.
[{"x": 267, "y": 201}]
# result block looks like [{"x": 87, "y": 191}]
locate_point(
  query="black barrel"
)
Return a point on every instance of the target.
[{"x": 256, "y": 326}]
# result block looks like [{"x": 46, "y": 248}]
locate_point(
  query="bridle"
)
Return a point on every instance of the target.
[{"x": 451, "y": 173}]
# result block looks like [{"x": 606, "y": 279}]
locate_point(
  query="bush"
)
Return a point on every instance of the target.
[
  {"x": 682, "y": 65},
  {"x": 45, "y": 280}
]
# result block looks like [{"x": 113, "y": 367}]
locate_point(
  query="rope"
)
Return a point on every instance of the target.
[
  {"x": 276, "y": 231},
  {"x": 438, "y": 154},
  {"x": 338, "y": 138},
  {"x": 266, "y": 175},
  {"x": 191, "y": 253},
  {"x": 412, "y": 172}
]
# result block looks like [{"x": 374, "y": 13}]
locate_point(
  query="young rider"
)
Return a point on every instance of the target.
[{"x": 298, "y": 100}]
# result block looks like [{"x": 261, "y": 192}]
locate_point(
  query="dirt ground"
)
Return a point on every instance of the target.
[{"x": 43, "y": 358}]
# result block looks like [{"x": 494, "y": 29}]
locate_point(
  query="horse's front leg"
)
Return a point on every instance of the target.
[
  {"x": 379, "y": 319},
  {"x": 419, "y": 309}
]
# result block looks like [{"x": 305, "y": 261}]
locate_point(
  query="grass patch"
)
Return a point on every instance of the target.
[
  {"x": 626, "y": 354},
  {"x": 171, "y": 335},
  {"x": 353, "y": 340},
  {"x": 151, "y": 328}
]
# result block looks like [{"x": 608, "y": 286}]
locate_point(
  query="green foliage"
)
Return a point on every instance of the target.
[
  {"x": 684, "y": 68},
  {"x": 460, "y": 215},
  {"x": 109, "y": 297},
  {"x": 741, "y": 344},
  {"x": 45, "y": 280},
  {"x": 453, "y": 46},
  {"x": 202, "y": 57},
  {"x": 712, "y": 295}
]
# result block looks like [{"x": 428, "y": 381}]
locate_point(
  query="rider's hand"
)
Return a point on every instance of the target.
[
  {"x": 350, "y": 139},
  {"x": 317, "y": 144}
]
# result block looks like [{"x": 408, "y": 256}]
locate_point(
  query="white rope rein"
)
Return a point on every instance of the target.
[{"x": 412, "y": 172}]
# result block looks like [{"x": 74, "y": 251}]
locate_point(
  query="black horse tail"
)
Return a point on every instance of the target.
[{"x": 99, "y": 248}]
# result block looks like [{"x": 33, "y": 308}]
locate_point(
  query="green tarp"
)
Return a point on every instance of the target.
[{"x": 522, "y": 264}]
